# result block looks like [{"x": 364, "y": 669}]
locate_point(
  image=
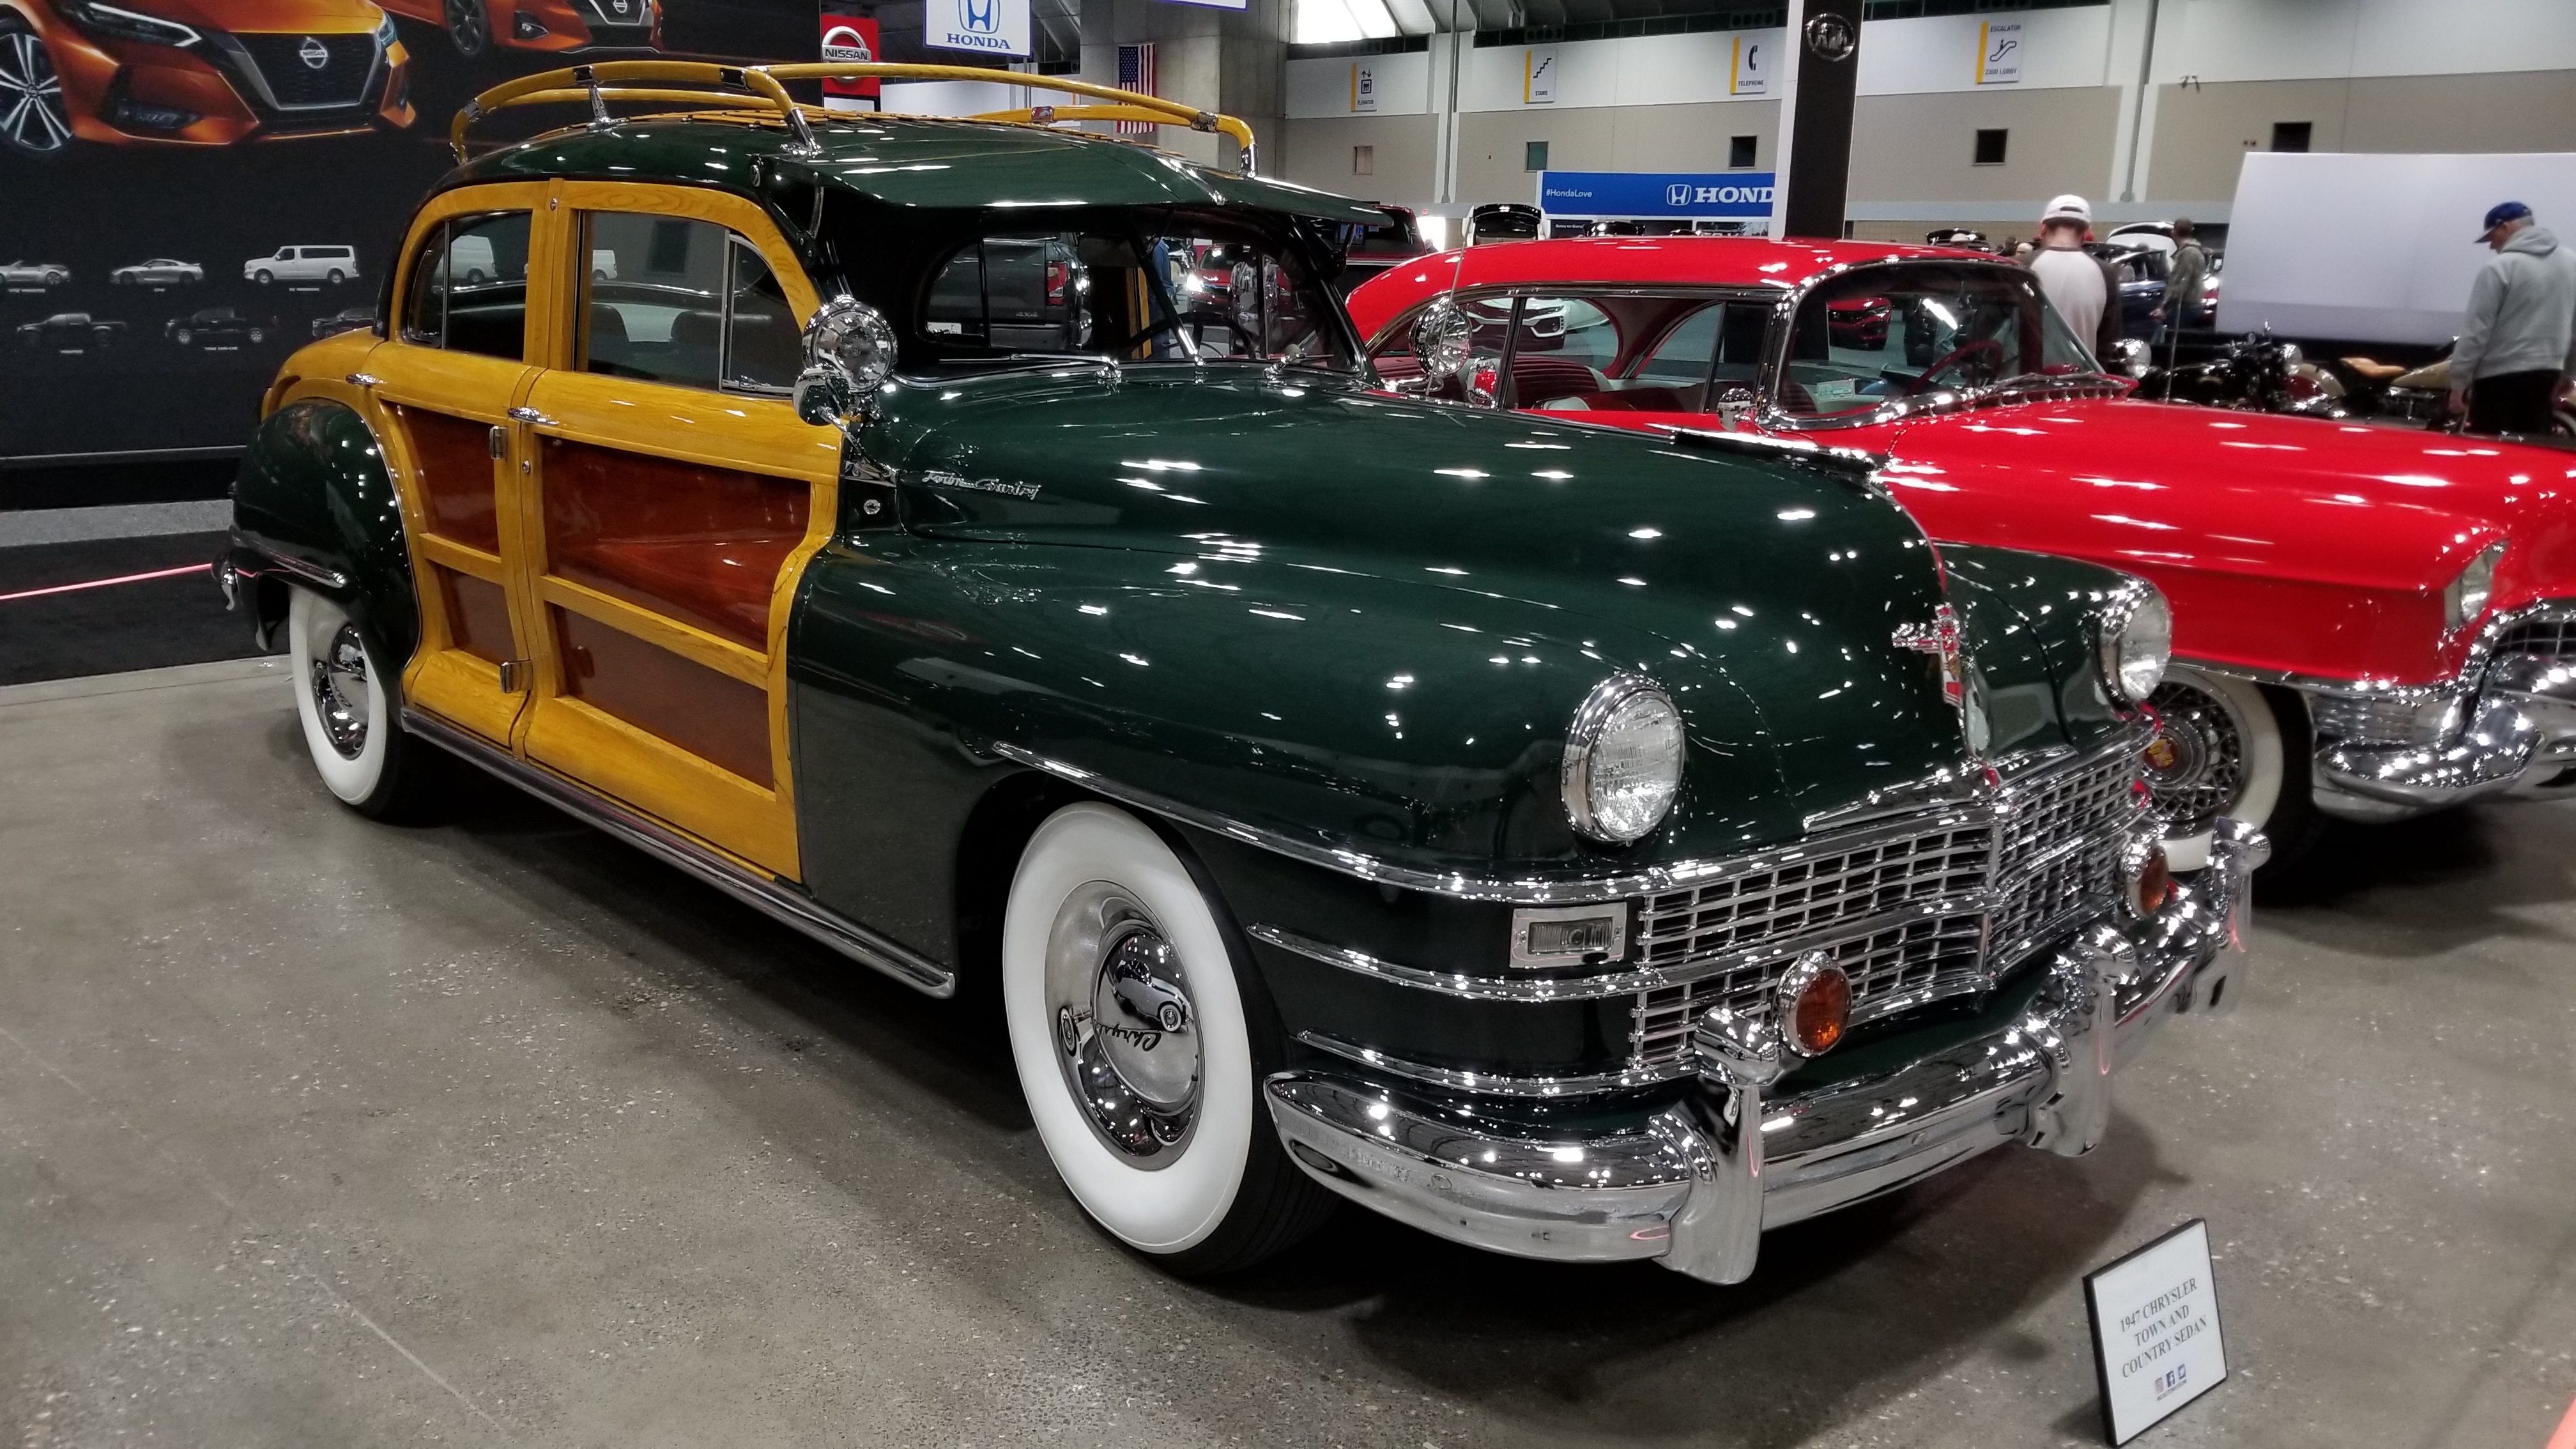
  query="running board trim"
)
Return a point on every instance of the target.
[{"x": 778, "y": 902}]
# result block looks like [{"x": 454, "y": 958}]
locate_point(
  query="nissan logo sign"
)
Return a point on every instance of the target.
[
  {"x": 313, "y": 53},
  {"x": 844, "y": 45}
]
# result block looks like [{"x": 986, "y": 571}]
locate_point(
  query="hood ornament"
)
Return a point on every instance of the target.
[{"x": 1940, "y": 638}]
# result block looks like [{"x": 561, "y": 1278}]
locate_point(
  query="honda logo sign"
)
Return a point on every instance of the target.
[{"x": 994, "y": 27}]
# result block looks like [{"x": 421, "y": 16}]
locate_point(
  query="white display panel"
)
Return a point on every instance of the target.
[
  {"x": 2373, "y": 248},
  {"x": 2156, "y": 1339},
  {"x": 991, "y": 27}
]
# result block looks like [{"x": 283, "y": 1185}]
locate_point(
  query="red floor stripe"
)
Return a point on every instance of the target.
[
  {"x": 2565, "y": 1438},
  {"x": 203, "y": 568}
]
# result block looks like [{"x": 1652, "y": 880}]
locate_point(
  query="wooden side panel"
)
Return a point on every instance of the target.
[
  {"x": 720, "y": 719},
  {"x": 453, "y": 458},
  {"x": 698, "y": 544}
]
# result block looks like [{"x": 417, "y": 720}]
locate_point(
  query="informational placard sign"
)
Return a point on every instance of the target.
[
  {"x": 1752, "y": 73},
  {"x": 1999, "y": 53},
  {"x": 1363, "y": 87},
  {"x": 1538, "y": 76},
  {"x": 994, "y": 27},
  {"x": 1694, "y": 195},
  {"x": 2156, "y": 1342}
]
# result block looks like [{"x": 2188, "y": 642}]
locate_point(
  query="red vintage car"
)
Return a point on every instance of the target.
[{"x": 2368, "y": 623}]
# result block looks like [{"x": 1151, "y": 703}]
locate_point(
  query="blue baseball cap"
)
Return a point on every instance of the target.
[{"x": 2502, "y": 212}]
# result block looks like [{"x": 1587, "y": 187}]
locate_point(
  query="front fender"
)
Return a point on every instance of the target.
[
  {"x": 314, "y": 504},
  {"x": 2032, "y": 621}
]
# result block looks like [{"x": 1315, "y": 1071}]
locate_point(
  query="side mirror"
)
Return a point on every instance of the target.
[
  {"x": 1734, "y": 406},
  {"x": 2128, "y": 357},
  {"x": 1442, "y": 337},
  {"x": 849, "y": 353}
]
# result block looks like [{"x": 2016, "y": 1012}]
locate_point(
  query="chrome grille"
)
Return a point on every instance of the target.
[
  {"x": 1901, "y": 966},
  {"x": 1824, "y": 889},
  {"x": 1912, "y": 913},
  {"x": 2547, "y": 638},
  {"x": 2061, "y": 851}
]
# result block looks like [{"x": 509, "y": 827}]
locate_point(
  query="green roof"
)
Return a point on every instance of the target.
[{"x": 908, "y": 161}]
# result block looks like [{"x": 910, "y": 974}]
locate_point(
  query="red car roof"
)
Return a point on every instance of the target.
[{"x": 1694, "y": 260}]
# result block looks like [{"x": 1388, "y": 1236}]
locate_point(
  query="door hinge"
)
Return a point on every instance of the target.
[
  {"x": 500, "y": 442},
  {"x": 514, "y": 676}
]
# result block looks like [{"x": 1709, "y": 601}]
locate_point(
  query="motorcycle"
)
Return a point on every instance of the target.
[
  {"x": 2254, "y": 373},
  {"x": 2421, "y": 396}
]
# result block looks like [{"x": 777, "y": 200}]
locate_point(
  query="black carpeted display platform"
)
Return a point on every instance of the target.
[
  {"x": 141, "y": 625},
  {"x": 93, "y": 484}
]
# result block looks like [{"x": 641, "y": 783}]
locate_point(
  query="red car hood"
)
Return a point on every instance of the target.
[
  {"x": 2271, "y": 532},
  {"x": 329, "y": 17}
]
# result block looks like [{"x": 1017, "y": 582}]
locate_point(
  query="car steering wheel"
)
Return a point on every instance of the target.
[
  {"x": 1956, "y": 354},
  {"x": 1202, "y": 315}
]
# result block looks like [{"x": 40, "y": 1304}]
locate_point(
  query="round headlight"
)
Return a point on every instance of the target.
[
  {"x": 2137, "y": 639},
  {"x": 2468, "y": 594},
  {"x": 1623, "y": 760}
]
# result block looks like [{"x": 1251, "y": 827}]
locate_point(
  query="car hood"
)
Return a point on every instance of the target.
[
  {"x": 1763, "y": 596},
  {"x": 2374, "y": 521}
]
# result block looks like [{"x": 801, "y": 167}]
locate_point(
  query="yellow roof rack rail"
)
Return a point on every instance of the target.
[{"x": 758, "y": 93}]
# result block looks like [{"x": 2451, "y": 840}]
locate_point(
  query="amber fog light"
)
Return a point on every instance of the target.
[
  {"x": 1814, "y": 1004},
  {"x": 2150, "y": 879}
]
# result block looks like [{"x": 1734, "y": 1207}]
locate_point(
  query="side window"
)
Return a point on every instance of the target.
[
  {"x": 1681, "y": 358},
  {"x": 670, "y": 299},
  {"x": 1026, "y": 293},
  {"x": 1562, "y": 347},
  {"x": 469, "y": 286}
]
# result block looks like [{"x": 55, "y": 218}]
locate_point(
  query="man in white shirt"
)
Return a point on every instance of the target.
[{"x": 2081, "y": 287}]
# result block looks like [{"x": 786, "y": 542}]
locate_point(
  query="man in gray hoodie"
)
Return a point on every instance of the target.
[{"x": 2517, "y": 347}]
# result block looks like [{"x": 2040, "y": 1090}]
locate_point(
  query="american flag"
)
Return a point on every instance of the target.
[{"x": 1136, "y": 73}]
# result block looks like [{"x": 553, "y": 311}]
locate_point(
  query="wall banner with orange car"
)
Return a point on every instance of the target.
[{"x": 195, "y": 188}]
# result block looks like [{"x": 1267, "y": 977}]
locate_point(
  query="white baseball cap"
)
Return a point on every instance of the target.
[{"x": 2069, "y": 207}]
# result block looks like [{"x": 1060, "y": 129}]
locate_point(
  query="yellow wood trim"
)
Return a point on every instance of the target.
[
  {"x": 695, "y": 645},
  {"x": 735, "y": 213},
  {"x": 528, "y": 196},
  {"x": 523, "y": 492},
  {"x": 463, "y": 558},
  {"x": 644, "y": 770},
  {"x": 463, "y": 690}
]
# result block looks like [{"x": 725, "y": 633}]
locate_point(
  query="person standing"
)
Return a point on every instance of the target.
[
  {"x": 2517, "y": 347},
  {"x": 2082, "y": 287},
  {"x": 2186, "y": 277}
]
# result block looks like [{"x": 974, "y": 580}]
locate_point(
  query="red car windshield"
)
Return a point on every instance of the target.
[{"x": 1880, "y": 334}]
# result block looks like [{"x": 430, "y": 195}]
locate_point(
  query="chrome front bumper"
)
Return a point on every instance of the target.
[
  {"x": 2520, "y": 734},
  {"x": 1687, "y": 1184}
]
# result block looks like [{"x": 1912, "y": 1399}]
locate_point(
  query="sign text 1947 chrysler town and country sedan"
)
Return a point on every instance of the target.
[{"x": 1582, "y": 845}]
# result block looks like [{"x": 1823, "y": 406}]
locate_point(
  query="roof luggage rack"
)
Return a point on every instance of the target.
[{"x": 757, "y": 94}]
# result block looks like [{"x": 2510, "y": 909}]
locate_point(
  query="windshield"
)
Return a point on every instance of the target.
[
  {"x": 987, "y": 289},
  {"x": 1880, "y": 334}
]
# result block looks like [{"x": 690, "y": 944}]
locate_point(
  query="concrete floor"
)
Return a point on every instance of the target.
[{"x": 316, "y": 1132}]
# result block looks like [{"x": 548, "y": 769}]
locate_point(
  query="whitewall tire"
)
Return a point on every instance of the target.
[
  {"x": 2223, "y": 749},
  {"x": 349, "y": 701},
  {"x": 1141, "y": 1042}
]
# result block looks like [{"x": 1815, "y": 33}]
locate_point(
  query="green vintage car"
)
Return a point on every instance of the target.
[{"x": 980, "y": 546}]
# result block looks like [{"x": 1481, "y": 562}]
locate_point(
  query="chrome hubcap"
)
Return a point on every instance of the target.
[
  {"x": 31, "y": 97},
  {"x": 340, "y": 692},
  {"x": 2196, "y": 762},
  {"x": 1126, "y": 1033}
]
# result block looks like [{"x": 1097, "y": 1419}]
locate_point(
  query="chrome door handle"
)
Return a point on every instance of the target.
[
  {"x": 532, "y": 418},
  {"x": 363, "y": 379}
]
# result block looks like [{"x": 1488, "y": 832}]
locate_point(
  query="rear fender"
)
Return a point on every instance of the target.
[{"x": 314, "y": 506}]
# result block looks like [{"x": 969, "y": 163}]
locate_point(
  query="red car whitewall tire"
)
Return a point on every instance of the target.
[{"x": 2229, "y": 757}]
